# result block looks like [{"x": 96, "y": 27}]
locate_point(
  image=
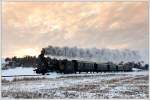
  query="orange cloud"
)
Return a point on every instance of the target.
[
  {"x": 120, "y": 46},
  {"x": 90, "y": 24}
]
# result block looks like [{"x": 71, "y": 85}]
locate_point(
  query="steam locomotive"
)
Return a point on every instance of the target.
[{"x": 67, "y": 67}]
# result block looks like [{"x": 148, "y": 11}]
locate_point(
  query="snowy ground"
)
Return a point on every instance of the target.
[
  {"x": 24, "y": 71},
  {"x": 87, "y": 86}
]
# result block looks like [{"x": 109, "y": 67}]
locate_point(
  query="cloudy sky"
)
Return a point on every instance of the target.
[{"x": 29, "y": 26}]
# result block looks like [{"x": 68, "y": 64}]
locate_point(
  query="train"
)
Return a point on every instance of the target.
[{"x": 75, "y": 66}]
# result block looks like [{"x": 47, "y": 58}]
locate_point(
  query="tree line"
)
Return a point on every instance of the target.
[{"x": 27, "y": 61}]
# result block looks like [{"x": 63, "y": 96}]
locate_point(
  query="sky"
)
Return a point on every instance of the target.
[{"x": 27, "y": 27}]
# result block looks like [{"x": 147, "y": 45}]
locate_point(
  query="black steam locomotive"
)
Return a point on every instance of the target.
[{"x": 74, "y": 66}]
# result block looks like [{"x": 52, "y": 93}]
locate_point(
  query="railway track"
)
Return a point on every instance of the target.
[{"x": 22, "y": 75}]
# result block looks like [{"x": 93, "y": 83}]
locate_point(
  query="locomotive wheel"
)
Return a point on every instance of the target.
[{"x": 43, "y": 73}]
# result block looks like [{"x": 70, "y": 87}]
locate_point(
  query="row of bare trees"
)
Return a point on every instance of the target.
[{"x": 27, "y": 61}]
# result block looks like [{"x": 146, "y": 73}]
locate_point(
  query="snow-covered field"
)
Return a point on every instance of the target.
[
  {"x": 91, "y": 85},
  {"x": 24, "y": 71}
]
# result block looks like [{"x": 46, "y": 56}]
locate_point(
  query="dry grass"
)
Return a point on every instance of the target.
[
  {"x": 28, "y": 79},
  {"x": 5, "y": 81},
  {"x": 23, "y": 79},
  {"x": 116, "y": 87}
]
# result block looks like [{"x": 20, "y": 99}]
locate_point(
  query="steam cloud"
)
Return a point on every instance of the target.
[{"x": 94, "y": 54}]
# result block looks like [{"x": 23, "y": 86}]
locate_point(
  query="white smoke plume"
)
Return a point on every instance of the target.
[{"x": 94, "y": 54}]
